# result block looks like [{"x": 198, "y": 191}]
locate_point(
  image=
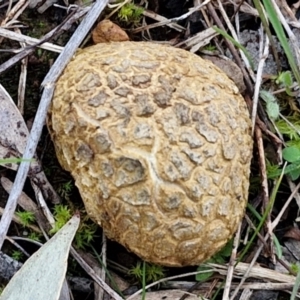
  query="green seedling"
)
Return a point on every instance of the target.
[
  {"x": 65, "y": 189},
  {"x": 151, "y": 272},
  {"x": 290, "y": 128},
  {"x": 85, "y": 234},
  {"x": 295, "y": 267},
  {"x": 284, "y": 80},
  {"x": 210, "y": 48},
  {"x": 26, "y": 217},
  {"x": 272, "y": 106},
  {"x": 17, "y": 255},
  {"x": 62, "y": 214},
  {"x": 296, "y": 285},
  {"x": 292, "y": 155},
  {"x": 130, "y": 13},
  {"x": 35, "y": 236},
  {"x": 86, "y": 231}
]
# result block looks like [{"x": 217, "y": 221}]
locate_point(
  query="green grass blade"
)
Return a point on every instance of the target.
[
  {"x": 281, "y": 37},
  {"x": 264, "y": 217},
  {"x": 238, "y": 45},
  {"x": 144, "y": 281},
  {"x": 275, "y": 239},
  {"x": 265, "y": 24},
  {"x": 296, "y": 286},
  {"x": 113, "y": 282},
  {"x": 14, "y": 160}
]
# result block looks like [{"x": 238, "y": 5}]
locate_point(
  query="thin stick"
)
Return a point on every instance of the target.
[
  {"x": 232, "y": 261},
  {"x": 28, "y": 50},
  {"x": 263, "y": 56},
  {"x": 166, "y": 22},
  {"x": 40, "y": 117},
  {"x": 285, "y": 206},
  {"x": 28, "y": 40},
  {"x": 247, "y": 273}
]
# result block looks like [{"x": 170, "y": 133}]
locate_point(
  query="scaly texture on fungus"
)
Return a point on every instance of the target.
[{"x": 158, "y": 141}]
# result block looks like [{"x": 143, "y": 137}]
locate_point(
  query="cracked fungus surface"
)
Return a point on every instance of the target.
[{"x": 158, "y": 141}]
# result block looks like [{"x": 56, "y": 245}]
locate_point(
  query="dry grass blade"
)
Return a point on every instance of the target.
[
  {"x": 159, "y": 18},
  {"x": 229, "y": 276},
  {"x": 28, "y": 50},
  {"x": 231, "y": 47},
  {"x": 29, "y": 40},
  {"x": 167, "y": 22},
  {"x": 256, "y": 272},
  {"x": 199, "y": 40},
  {"x": 94, "y": 275}
]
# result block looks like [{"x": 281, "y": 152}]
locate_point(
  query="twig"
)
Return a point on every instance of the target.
[
  {"x": 285, "y": 206},
  {"x": 263, "y": 286},
  {"x": 14, "y": 13},
  {"x": 231, "y": 47},
  {"x": 250, "y": 268},
  {"x": 39, "y": 120},
  {"x": 198, "y": 40},
  {"x": 93, "y": 274},
  {"x": 233, "y": 32},
  {"x": 18, "y": 220},
  {"x": 28, "y": 50},
  {"x": 266, "y": 131},
  {"x": 231, "y": 264},
  {"x": 29, "y": 40},
  {"x": 264, "y": 51},
  {"x": 292, "y": 187},
  {"x": 104, "y": 262},
  {"x": 174, "y": 20},
  {"x": 265, "y": 196},
  {"x": 260, "y": 237},
  {"x": 157, "y": 17},
  {"x": 262, "y": 166},
  {"x": 22, "y": 81},
  {"x": 29, "y": 205},
  {"x": 167, "y": 279},
  {"x": 258, "y": 80},
  {"x": 18, "y": 246}
]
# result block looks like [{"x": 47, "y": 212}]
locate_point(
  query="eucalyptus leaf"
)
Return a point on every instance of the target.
[
  {"x": 43, "y": 274},
  {"x": 13, "y": 139}
]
